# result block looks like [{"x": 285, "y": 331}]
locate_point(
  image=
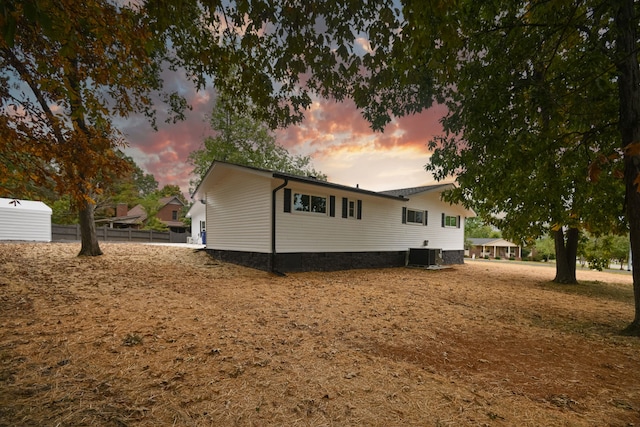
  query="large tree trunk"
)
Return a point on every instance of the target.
[
  {"x": 629, "y": 93},
  {"x": 89, "y": 238},
  {"x": 566, "y": 254}
]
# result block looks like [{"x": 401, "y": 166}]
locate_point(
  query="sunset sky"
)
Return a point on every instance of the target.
[{"x": 339, "y": 140}]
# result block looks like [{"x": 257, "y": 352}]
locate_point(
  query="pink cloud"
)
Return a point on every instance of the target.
[
  {"x": 163, "y": 153},
  {"x": 334, "y": 134},
  {"x": 329, "y": 121}
]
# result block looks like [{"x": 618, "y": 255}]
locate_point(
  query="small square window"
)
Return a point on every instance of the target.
[{"x": 352, "y": 208}]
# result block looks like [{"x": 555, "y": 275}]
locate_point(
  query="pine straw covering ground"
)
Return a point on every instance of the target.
[{"x": 154, "y": 335}]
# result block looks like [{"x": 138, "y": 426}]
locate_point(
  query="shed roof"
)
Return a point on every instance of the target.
[{"x": 24, "y": 205}]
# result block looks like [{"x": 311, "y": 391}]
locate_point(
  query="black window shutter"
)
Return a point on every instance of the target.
[
  {"x": 332, "y": 205},
  {"x": 404, "y": 215},
  {"x": 426, "y": 217},
  {"x": 359, "y": 209},
  {"x": 443, "y": 220},
  {"x": 458, "y": 223},
  {"x": 345, "y": 209},
  {"x": 287, "y": 200}
]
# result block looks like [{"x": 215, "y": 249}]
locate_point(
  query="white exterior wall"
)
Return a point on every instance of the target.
[
  {"x": 445, "y": 238},
  {"x": 380, "y": 229},
  {"x": 25, "y": 221},
  {"x": 197, "y": 214},
  {"x": 238, "y": 212}
]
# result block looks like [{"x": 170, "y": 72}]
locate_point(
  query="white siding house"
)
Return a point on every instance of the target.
[
  {"x": 25, "y": 220},
  {"x": 284, "y": 222}
]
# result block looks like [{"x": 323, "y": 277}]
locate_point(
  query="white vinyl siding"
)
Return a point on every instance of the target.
[
  {"x": 239, "y": 213},
  {"x": 25, "y": 220},
  {"x": 238, "y": 217},
  {"x": 380, "y": 229},
  {"x": 196, "y": 213}
]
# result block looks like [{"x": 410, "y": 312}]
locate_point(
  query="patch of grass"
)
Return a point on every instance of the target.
[
  {"x": 595, "y": 289},
  {"x": 576, "y": 326}
]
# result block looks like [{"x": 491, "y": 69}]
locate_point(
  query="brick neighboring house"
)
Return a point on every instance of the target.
[
  {"x": 169, "y": 213},
  {"x": 136, "y": 217},
  {"x": 492, "y": 247}
]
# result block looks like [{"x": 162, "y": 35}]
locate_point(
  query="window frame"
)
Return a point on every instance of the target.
[
  {"x": 447, "y": 221},
  {"x": 351, "y": 208},
  {"x": 423, "y": 213},
  {"x": 311, "y": 196}
]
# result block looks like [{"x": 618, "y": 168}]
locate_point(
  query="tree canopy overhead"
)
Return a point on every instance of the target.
[
  {"x": 527, "y": 119},
  {"x": 243, "y": 140},
  {"x": 544, "y": 114},
  {"x": 67, "y": 69}
]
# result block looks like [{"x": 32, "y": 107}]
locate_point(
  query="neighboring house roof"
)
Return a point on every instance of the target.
[
  {"x": 138, "y": 215},
  {"x": 168, "y": 200},
  {"x": 476, "y": 241},
  {"x": 138, "y": 212}
]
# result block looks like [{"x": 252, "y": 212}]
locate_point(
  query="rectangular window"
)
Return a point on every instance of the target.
[
  {"x": 351, "y": 208},
  {"x": 450, "y": 221},
  {"x": 309, "y": 203},
  {"x": 413, "y": 216},
  {"x": 174, "y": 215}
]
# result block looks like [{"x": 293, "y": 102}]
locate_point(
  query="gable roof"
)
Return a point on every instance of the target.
[
  {"x": 406, "y": 192},
  {"x": 318, "y": 182},
  {"x": 24, "y": 205},
  {"x": 296, "y": 178},
  {"x": 402, "y": 194},
  {"x": 163, "y": 201}
]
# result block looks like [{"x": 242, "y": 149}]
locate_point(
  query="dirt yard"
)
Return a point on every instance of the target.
[{"x": 155, "y": 335}]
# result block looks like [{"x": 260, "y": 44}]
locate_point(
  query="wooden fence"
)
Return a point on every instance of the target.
[{"x": 72, "y": 233}]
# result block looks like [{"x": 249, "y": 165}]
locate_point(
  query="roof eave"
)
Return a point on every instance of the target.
[{"x": 313, "y": 181}]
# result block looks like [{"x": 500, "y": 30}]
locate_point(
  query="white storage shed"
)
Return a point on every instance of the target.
[{"x": 25, "y": 220}]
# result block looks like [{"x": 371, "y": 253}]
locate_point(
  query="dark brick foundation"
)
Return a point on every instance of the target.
[
  {"x": 453, "y": 257},
  {"x": 256, "y": 260},
  {"x": 324, "y": 261},
  {"x": 331, "y": 261}
]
